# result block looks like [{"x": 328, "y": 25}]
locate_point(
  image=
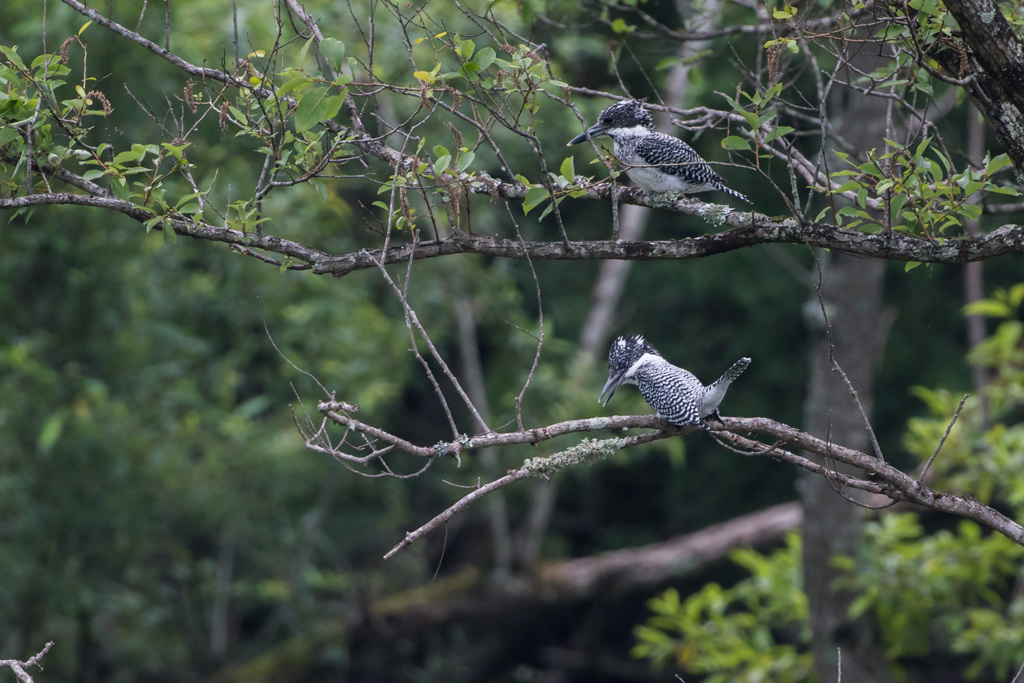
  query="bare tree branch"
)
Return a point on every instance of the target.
[
  {"x": 885, "y": 479},
  {"x": 748, "y": 229},
  {"x": 19, "y": 667}
]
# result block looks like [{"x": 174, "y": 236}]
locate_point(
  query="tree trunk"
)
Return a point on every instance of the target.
[
  {"x": 851, "y": 289},
  {"x": 851, "y": 331}
]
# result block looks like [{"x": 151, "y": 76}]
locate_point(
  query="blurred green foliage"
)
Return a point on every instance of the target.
[{"x": 731, "y": 634}]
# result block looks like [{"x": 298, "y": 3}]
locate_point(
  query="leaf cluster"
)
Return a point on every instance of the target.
[{"x": 756, "y": 630}]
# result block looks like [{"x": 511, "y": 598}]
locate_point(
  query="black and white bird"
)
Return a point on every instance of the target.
[
  {"x": 675, "y": 393},
  {"x": 657, "y": 162}
]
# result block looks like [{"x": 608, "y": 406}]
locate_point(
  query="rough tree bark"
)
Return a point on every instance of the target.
[{"x": 994, "y": 69}]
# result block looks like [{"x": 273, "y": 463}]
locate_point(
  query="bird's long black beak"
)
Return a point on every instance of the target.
[
  {"x": 610, "y": 386},
  {"x": 592, "y": 132}
]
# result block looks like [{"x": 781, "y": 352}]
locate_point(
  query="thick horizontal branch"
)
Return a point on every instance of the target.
[
  {"x": 747, "y": 229},
  {"x": 742, "y": 228},
  {"x": 200, "y": 230},
  {"x": 631, "y": 568},
  {"x": 879, "y": 477},
  {"x": 750, "y": 229},
  {"x": 895, "y": 484},
  {"x": 338, "y": 412},
  {"x": 607, "y": 574}
]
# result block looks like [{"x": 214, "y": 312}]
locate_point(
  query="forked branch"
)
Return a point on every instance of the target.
[
  {"x": 777, "y": 441},
  {"x": 20, "y": 668}
]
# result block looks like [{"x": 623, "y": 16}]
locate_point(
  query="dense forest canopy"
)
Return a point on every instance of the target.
[{"x": 308, "y": 306}]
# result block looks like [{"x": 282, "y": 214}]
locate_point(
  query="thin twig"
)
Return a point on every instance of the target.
[
  {"x": 1019, "y": 678},
  {"x": 856, "y": 401},
  {"x": 461, "y": 504},
  {"x": 836, "y": 366},
  {"x": 415, "y": 321},
  {"x": 949, "y": 427},
  {"x": 287, "y": 360},
  {"x": 540, "y": 338}
]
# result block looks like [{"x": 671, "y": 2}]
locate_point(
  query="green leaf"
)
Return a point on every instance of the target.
[
  {"x": 735, "y": 142},
  {"x": 51, "y": 431},
  {"x": 988, "y": 307},
  {"x": 466, "y": 49},
  {"x": 119, "y": 186},
  {"x": 896, "y": 206},
  {"x": 534, "y": 196},
  {"x": 971, "y": 211},
  {"x": 778, "y": 131},
  {"x": 321, "y": 189},
  {"x": 465, "y": 160},
  {"x": 295, "y": 84},
  {"x": 998, "y": 162},
  {"x": 442, "y": 163},
  {"x": 568, "y": 168},
  {"x": 871, "y": 169},
  {"x": 238, "y": 114},
  {"x": 1016, "y": 294},
  {"x": 8, "y": 135},
  {"x": 484, "y": 58},
  {"x": 333, "y": 51},
  {"x": 170, "y": 237},
  {"x": 12, "y": 55},
  {"x": 304, "y": 50},
  {"x": 751, "y": 117},
  {"x": 922, "y": 147},
  {"x": 1004, "y": 190},
  {"x": 620, "y": 26},
  {"x": 175, "y": 150},
  {"x": 910, "y": 266},
  {"x": 129, "y": 155},
  {"x": 316, "y": 105}
]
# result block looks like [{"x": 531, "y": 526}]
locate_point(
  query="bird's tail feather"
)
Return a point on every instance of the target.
[
  {"x": 733, "y": 372},
  {"x": 734, "y": 193}
]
